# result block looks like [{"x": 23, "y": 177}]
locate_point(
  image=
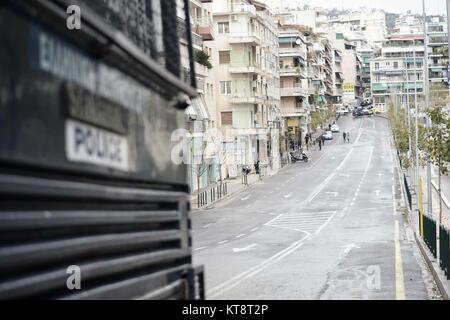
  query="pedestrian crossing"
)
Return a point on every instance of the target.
[{"x": 306, "y": 222}]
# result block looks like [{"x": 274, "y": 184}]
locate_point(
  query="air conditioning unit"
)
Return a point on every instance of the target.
[{"x": 234, "y": 17}]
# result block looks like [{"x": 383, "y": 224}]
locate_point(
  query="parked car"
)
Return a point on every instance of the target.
[
  {"x": 343, "y": 111},
  {"x": 328, "y": 135},
  {"x": 335, "y": 128},
  {"x": 367, "y": 112}
]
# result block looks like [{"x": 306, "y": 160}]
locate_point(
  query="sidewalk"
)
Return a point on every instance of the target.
[
  {"x": 233, "y": 186},
  {"x": 413, "y": 217},
  {"x": 435, "y": 199}
]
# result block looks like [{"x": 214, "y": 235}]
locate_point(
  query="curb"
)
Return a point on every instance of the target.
[
  {"x": 231, "y": 194},
  {"x": 440, "y": 280}
]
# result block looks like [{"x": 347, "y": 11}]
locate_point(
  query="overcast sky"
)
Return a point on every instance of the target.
[{"x": 397, "y": 6}]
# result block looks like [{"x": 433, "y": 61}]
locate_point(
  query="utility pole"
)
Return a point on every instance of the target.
[
  {"x": 427, "y": 104},
  {"x": 416, "y": 105}
]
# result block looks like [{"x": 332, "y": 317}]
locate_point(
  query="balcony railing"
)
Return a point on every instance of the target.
[
  {"x": 295, "y": 91},
  {"x": 292, "y": 72},
  {"x": 204, "y": 27},
  {"x": 292, "y": 52},
  {"x": 251, "y": 38},
  {"x": 254, "y": 68},
  {"x": 246, "y": 98}
]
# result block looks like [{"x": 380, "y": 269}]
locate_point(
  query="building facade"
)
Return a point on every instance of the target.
[
  {"x": 247, "y": 80},
  {"x": 398, "y": 72}
]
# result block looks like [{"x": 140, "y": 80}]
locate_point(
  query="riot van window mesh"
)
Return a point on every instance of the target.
[{"x": 155, "y": 26}]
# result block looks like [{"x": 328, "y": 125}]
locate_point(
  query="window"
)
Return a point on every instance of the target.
[
  {"x": 225, "y": 87},
  {"x": 377, "y": 66},
  {"x": 224, "y": 57},
  {"x": 396, "y": 65},
  {"x": 224, "y": 27},
  {"x": 227, "y": 118}
]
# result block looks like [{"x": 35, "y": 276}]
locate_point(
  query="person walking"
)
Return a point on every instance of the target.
[
  {"x": 344, "y": 135},
  {"x": 320, "y": 144},
  {"x": 348, "y": 137},
  {"x": 307, "y": 141}
]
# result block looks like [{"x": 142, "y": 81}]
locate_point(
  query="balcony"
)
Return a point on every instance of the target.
[
  {"x": 242, "y": 98},
  {"x": 251, "y": 39},
  {"x": 292, "y": 72},
  {"x": 294, "y": 112},
  {"x": 292, "y": 52},
  {"x": 236, "y": 8},
  {"x": 253, "y": 69},
  {"x": 296, "y": 91},
  {"x": 204, "y": 27}
]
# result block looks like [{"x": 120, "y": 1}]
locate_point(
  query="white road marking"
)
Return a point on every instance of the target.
[
  {"x": 377, "y": 193},
  {"x": 307, "y": 222},
  {"x": 223, "y": 242},
  {"x": 200, "y": 248},
  {"x": 254, "y": 229},
  {"x": 246, "y": 198},
  {"x": 289, "y": 195},
  {"x": 248, "y": 248},
  {"x": 241, "y": 235},
  {"x": 233, "y": 282},
  {"x": 350, "y": 247},
  {"x": 334, "y": 194},
  {"x": 207, "y": 225}
]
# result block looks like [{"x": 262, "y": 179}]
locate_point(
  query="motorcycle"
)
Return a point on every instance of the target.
[{"x": 299, "y": 157}]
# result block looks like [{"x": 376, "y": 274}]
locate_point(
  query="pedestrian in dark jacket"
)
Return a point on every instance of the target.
[
  {"x": 320, "y": 144},
  {"x": 348, "y": 137},
  {"x": 345, "y": 136}
]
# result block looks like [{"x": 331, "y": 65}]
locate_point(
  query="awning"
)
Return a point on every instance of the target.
[
  {"x": 379, "y": 87},
  {"x": 198, "y": 108}
]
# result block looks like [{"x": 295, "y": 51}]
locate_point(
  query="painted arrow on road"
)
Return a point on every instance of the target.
[
  {"x": 350, "y": 247},
  {"x": 248, "y": 248},
  {"x": 289, "y": 195}
]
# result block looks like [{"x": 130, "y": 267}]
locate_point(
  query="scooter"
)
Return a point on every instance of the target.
[{"x": 302, "y": 157}]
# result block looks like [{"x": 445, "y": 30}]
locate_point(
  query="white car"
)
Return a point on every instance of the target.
[
  {"x": 342, "y": 111},
  {"x": 335, "y": 128},
  {"x": 328, "y": 135}
]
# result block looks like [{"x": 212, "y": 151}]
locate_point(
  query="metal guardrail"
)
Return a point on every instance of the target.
[
  {"x": 212, "y": 194},
  {"x": 444, "y": 251},
  {"x": 408, "y": 192},
  {"x": 429, "y": 234}
]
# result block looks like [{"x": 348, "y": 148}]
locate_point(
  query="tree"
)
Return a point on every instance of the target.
[
  {"x": 438, "y": 146},
  {"x": 203, "y": 58}
]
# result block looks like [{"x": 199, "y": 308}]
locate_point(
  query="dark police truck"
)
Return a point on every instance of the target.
[{"x": 92, "y": 206}]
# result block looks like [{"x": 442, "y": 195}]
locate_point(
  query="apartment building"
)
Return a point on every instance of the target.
[
  {"x": 203, "y": 169},
  {"x": 366, "y": 55},
  {"x": 247, "y": 83},
  {"x": 338, "y": 77},
  {"x": 315, "y": 18},
  {"x": 398, "y": 71},
  {"x": 294, "y": 84},
  {"x": 351, "y": 64},
  {"x": 370, "y": 23},
  {"x": 437, "y": 46}
]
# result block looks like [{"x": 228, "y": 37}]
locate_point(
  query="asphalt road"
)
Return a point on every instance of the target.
[{"x": 330, "y": 229}]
